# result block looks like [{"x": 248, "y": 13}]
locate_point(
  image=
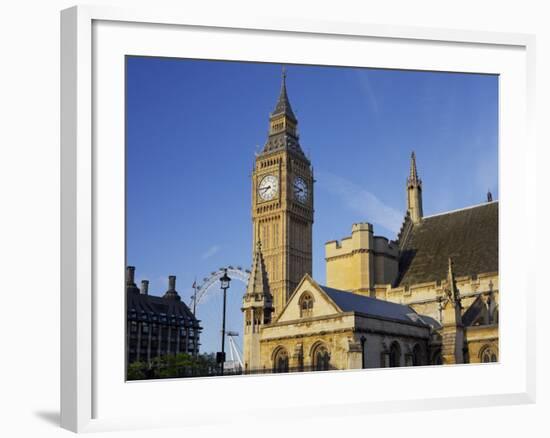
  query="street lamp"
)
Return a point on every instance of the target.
[{"x": 225, "y": 280}]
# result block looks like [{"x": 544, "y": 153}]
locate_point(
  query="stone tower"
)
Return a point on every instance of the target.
[
  {"x": 257, "y": 309},
  {"x": 282, "y": 203},
  {"x": 414, "y": 193}
]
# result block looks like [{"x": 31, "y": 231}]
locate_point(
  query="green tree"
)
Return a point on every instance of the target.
[
  {"x": 179, "y": 365},
  {"x": 137, "y": 371},
  {"x": 174, "y": 366}
]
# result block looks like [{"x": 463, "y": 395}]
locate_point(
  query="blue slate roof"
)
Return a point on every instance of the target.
[{"x": 350, "y": 302}]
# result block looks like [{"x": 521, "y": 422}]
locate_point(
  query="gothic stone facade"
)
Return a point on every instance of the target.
[
  {"x": 430, "y": 297},
  {"x": 414, "y": 270},
  {"x": 322, "y": 328}
]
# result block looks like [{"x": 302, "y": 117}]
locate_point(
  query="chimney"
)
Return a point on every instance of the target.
[
  {"x": 171, "y": 292},
  {"x": 145, "y": 287},
  {"x": 130, "y": 271},
  {"x": 172, "y": 283}
]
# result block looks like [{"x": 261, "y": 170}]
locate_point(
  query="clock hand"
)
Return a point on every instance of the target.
[{"x": 264, "y": 188}]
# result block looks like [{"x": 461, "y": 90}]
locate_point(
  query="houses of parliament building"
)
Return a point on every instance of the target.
[{"x": 429, "y": 297}]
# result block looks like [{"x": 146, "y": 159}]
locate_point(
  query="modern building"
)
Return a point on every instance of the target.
[
  {"x": 158, "y": 325},
  {"x": 429, "y": 297}
]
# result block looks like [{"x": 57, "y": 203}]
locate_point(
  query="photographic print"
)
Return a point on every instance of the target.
[{"x": 298, "y": 218}]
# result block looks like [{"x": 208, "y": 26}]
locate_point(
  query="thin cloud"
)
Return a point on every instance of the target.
[
  {"x": 213, "y": 250},
  {"x": 361, "y": 201},
  {"x": 366, "y": 87}
]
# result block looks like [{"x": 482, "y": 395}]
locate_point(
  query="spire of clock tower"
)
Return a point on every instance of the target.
[
  {"x": 283, "y": 104},
  {"x": 283, "y": 133}
]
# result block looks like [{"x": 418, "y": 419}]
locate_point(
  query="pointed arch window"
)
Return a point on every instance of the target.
[
  {"x": 306, "y": 305},
  {"x": 488, "y": 355},
  {"x": 417, "y": 356},
  {"x": 321, "y": 358},
  {"x": 280, "y": 361}
]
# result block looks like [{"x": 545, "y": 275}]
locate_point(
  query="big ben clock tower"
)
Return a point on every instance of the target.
[{"x": 282, "y": 204}]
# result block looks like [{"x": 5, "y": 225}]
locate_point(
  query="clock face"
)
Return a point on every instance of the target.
[
  {"x": 300, "y": 190},
  {"x": 268, "y": 187}
]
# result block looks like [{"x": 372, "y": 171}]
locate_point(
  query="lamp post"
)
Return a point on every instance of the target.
[{"x": 225, "y": 280}]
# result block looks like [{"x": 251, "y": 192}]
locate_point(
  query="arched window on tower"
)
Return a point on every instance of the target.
[
  {"x": 488, "y": 354},
  {"x": 306, "y": 305},
  {"x": 280, "y": 361},
  {"x": 395, "y": 355},
  {"x": 321, "y": 358}
]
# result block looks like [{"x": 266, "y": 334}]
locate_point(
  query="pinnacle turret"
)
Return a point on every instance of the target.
[
  {"x": 258, "y": 281},
  {"x": 414, "y": 192},
  {"x": 413, "y": 179},
  {"x": 452, "y": 335},
  {"x": 452, "y": 291}
]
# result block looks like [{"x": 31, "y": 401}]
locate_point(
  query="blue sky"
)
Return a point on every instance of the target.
[{"x": 193, "y": 128}]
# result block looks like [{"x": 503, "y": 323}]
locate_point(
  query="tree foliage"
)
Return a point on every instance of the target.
[{"x": 174, "y": 366}]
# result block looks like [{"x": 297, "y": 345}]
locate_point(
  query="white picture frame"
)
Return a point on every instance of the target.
[{"x": 92, "y": 393}]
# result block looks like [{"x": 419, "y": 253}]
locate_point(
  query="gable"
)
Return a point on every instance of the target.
[{"x": 322, "y": 305}]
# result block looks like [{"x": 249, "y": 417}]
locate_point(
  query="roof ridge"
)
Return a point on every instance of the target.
[
  {"x": 364, "y": 296},
  {"x": 372, "y": 307},
  {"x": 461, "y": 209}
]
